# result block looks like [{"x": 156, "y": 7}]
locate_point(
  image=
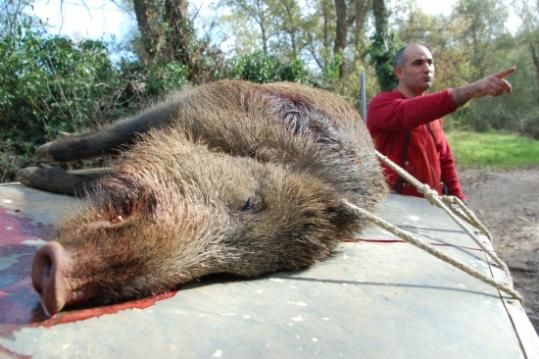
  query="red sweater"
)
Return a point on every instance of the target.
[{"x": 429, "y": 158}]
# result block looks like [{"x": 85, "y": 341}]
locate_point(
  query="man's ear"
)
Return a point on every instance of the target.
[{"x": 398, "y": 72}]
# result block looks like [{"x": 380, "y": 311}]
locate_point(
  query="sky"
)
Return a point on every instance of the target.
[
  {"x": 80, "y": 20},
  {"x": 102, "y": 18},
  {"x": 436, "y": 7}
]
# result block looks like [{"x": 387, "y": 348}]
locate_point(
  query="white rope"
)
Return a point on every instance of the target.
[
  {"x": 465, "y": 213},
  {"x": 446, "y": 203},
  {"x": 435, "y": 252},
  {"x": 433, "y": 197}
]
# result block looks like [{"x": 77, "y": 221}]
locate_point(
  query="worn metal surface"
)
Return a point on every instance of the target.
[{"x": 376, "y": 298}]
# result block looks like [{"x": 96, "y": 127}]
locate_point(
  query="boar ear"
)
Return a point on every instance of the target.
[
  {"x": 120, "y": 209},
  {"x": 120, "y": 199},
  {"x": 344, "y": 215}
]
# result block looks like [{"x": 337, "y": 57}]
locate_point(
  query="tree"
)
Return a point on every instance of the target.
[
  {"x": 320, "y": 39},
  {"x": 341, "y": 30},
  {"x": 257, "y": 11},
  {"x": 290, "y": 26},
  {"x": 383, "y": 47},
  {"x": 348, "y": 15},
  {"x": 529, "y": 13},
  {"x": 167, "y": 34},
  {"x": 318, "y": 31},
  {"x": 150, "y": 32},
  {"x": 481, "y": 22},
  {"x": 13, "y": 17},
  {"x": 360, "y": 19}
]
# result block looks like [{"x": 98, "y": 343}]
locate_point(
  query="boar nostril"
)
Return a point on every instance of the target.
[
  {"x": 44, "y": 265},
  {"x": 38, "y": 289},
  {"x": 42, "y": 270},
  {"x": 47, "y": 265}
]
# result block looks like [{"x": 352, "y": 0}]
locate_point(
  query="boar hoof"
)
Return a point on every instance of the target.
[
  {"x": 43, "y": 153},
  {"x": 26, "y": 175}
]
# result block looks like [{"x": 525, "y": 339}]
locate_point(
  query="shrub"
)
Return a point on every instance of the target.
[
  {"x": 48, "y": 85},
  {"x": 530, "y": 127},
  {"x": 166, "y": 77},
  {"x": 257, "y": 67}
]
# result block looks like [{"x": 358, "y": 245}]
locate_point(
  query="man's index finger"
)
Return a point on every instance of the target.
[{"x": 503, "y": 74}]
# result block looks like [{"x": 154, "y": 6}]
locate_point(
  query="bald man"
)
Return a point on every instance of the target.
[{"x": 406, "y": 123}]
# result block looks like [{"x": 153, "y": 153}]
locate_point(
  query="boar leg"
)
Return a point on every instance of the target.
[
  {"x": 57, "y": 180},
  {"x": 106, "y": 140}
]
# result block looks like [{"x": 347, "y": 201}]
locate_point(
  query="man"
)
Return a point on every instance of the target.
[{"x": 406, "y": 124}]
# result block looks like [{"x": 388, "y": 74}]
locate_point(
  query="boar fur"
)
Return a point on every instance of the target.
[{"x": 228, "y": 177}]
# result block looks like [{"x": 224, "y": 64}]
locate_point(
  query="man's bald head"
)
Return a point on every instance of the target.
[{"x": 400, "y": 57}]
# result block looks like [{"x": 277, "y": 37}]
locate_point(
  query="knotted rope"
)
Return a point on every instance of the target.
[{"x": 444, "y": 202}]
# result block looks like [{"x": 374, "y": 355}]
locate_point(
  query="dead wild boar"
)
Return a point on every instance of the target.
[{"x": 229, "y": 177}]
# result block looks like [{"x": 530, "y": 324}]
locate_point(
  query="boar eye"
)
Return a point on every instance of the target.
[
  {"x": 249, "y": 204},
  {"x": 253, "y": 203}
]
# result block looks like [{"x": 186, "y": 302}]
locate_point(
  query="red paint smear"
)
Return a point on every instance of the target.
[
  {"x": 18, "y": 300},
  {"x": 69, "y": 317},
  {"x": 19, "y": 303},
  {"x": 15, "y": 229}
]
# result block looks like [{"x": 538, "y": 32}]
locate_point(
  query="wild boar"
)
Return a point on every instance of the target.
[{"x": 228, "y": 177}]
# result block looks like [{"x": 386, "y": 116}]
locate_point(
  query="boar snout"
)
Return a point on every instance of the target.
[{"x": 48, "y": 277}]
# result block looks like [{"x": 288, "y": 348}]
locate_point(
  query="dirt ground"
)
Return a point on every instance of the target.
[{"x": 507, "y": 202}]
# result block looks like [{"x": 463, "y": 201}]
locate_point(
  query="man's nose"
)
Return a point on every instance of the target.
[{"x": 428, "y": 67}]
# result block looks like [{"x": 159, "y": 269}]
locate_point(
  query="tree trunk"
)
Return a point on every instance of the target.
[
  {"x": 380, "y": 17},
  {"x": 383, "y": 47},
  {"x": 360, "y": 17},
  {"x": 180, "y": 40},
  {"x": 264, "y": 38},
  {"x": 150, "y": 38},
  {"x": 340, "y": 33},
  {"x": 262, "y": 22},
  {"x": 179, "y": 32},
  {"x": 326, "y": 9},
  {"x": 289, "y": 28},
  {"x": 535, "y": 59}
]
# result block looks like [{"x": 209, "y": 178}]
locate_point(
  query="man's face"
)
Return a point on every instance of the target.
[{"x": 417, "y": 72}]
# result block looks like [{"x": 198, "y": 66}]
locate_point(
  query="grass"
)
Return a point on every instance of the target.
[{"x": 493, "y": 150}]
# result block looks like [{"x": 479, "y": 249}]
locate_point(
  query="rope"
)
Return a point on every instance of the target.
[
  {"x": 447, "y": 203},
  {"x": 433, "y": 197},
  {"x": 465, "y": 213},
  {"x": 435, "y": 252}
]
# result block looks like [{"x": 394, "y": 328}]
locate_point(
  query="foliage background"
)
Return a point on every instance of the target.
[{"x": 53, "y": 84}]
